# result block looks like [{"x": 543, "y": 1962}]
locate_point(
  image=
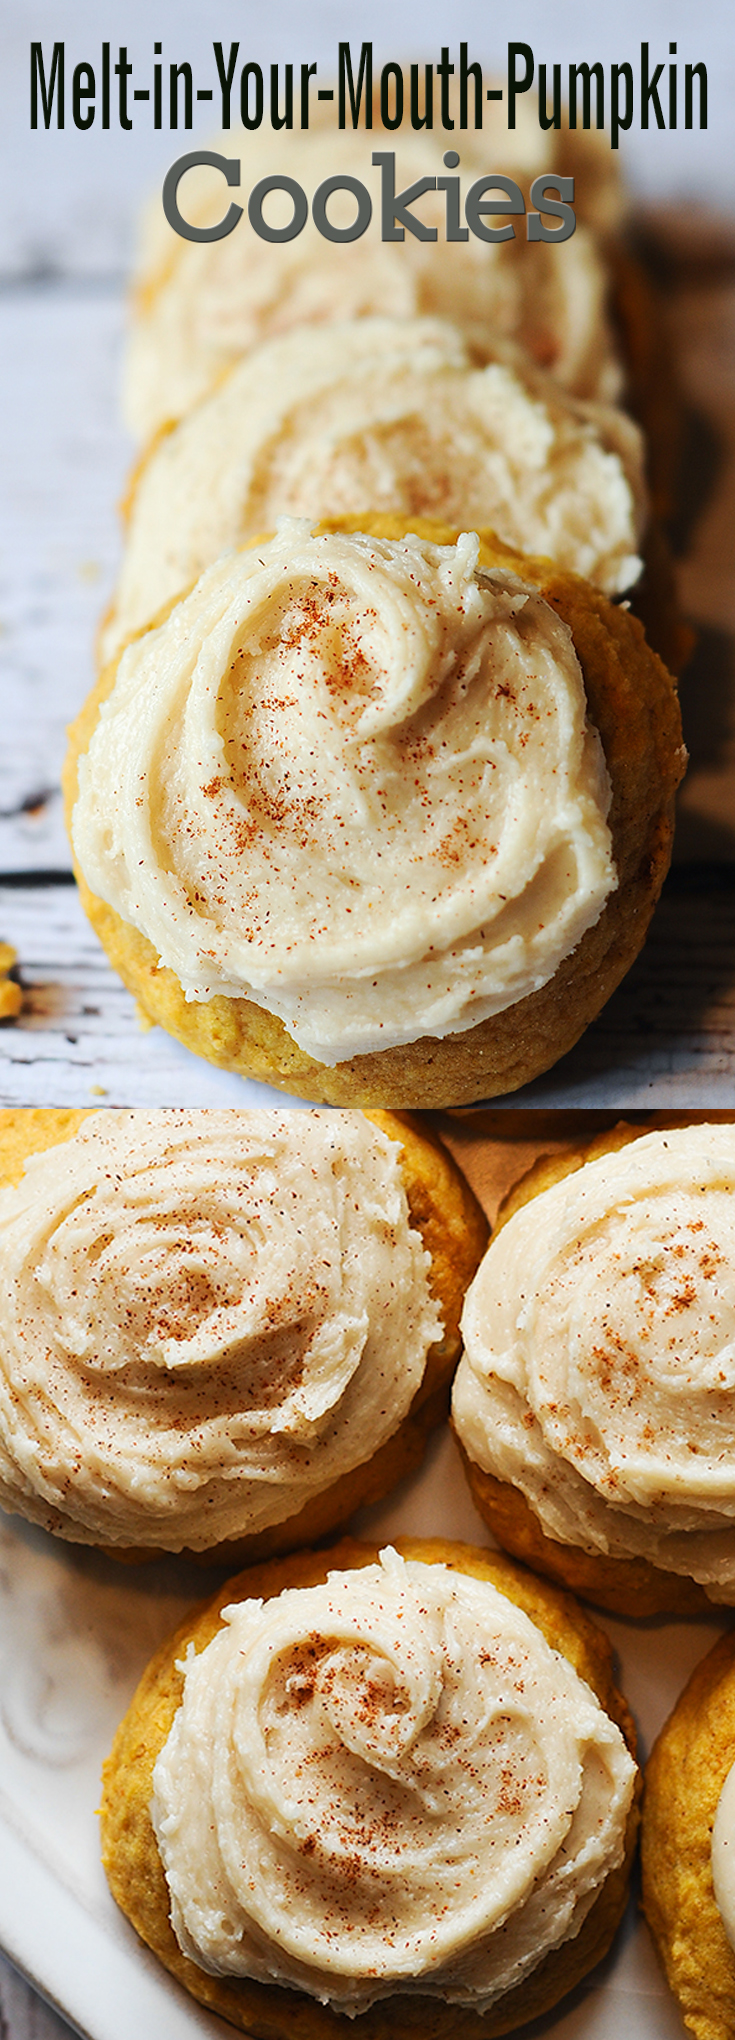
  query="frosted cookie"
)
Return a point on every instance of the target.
[
  {"x": 388, "y": 415},
  {"x": 688, "y": 1844},
  {"x": 198, "y": 306},
  {"x": 222, "y": 1330},
  {"x": 395, "y": 1786},
  {"x": 594, "y": 1402},
  {"x": 374, "y": 819}
]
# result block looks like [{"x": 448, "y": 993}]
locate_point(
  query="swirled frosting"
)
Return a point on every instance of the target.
[
  {"x": 207, "y": 1317},
  {"x": 383, "y": 414},
  {"x": 200, "y": 306},
  {"x": 352, "y": 780},
  {"x": 599, "y": 1367},
  {"x": 386, "y": 1781}
]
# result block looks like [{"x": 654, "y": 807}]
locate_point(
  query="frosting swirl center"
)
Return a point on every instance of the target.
[{"x": 386, "y": 1779}]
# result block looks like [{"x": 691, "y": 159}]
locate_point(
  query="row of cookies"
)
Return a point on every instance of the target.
[
  {"x": 199, "y": 1308},
  {"x": 374, "y": 809},
  {"x": 162, "y": 1266}
]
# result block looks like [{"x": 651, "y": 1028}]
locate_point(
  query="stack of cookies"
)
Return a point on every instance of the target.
[{"x": 374, "y": 797}]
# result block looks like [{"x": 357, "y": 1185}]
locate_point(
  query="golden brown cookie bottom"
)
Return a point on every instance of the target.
[
  {"x": 624, "y": 1586},
  {"x": 685, "y": 1775},
  {"x": 633, "y": 704},
  {"x": 454, "y": 1231},
  {"x": 133, "y": 1865}
]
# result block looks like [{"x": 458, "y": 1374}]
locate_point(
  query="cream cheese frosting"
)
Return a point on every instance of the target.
[
  {"x": 723, "y": 1855},
  {"x": 599, "y": 1367},
  {"x": 387, "y": 1781},
  {"x": 207, "y": 1317},
  {"x": 383, "y": 414},
  {"x": 199, "y": 306},
  {"x": 352, "y": 780}
]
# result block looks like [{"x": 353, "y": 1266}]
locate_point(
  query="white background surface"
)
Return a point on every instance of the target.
[{"x": 73, "y": 1632}]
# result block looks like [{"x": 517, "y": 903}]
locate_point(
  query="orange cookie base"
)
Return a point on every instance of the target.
[
  {"x": 622, "y": 1586},
  {"x": 684, "y": 1779}
]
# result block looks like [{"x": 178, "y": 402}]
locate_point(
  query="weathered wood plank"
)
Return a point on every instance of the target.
[
  {"x": 666, "y": 1039},
  {"x": 64, "y": 460}
]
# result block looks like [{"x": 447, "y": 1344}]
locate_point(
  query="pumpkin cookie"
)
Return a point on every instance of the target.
[
  {"x": 396, "y": 415},
  {"x": 594, "y": 1403},
  {"x": 687, "y": 1821},
  {"x": 363, "y": 1714},
  {"x": 378, "y": 818},
  {"x": 222, "y": 1331}
]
